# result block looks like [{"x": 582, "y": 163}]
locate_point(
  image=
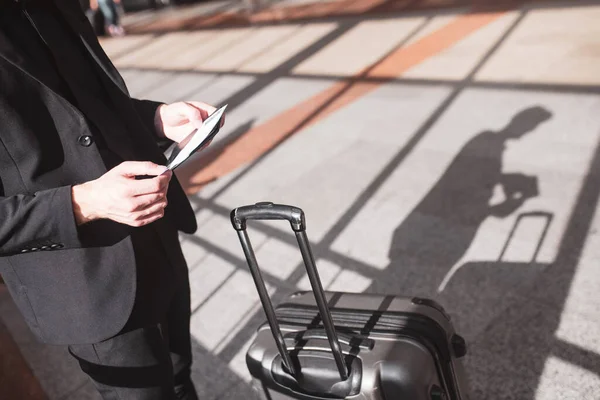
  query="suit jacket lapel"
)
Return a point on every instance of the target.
[
  {"x": 79, "y": 23},
  {"x": 13, "y": 57}
]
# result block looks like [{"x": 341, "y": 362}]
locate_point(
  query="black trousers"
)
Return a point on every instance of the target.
[{"x": 150, "y": 359}]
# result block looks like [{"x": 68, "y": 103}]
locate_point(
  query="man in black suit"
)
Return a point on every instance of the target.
[{"x": 89, "y": 252}]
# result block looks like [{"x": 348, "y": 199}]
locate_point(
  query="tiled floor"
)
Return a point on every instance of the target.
[{"x": 430, "y": 127}]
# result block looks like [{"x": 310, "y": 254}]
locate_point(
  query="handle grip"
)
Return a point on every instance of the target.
[{"x": 268, "y": 211}]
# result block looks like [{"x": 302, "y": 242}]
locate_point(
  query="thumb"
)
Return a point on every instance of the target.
[
  {"x": 193, "y": 114},
  {"x": 135, "y": 168},
  {"x": 181, "y": 113}
]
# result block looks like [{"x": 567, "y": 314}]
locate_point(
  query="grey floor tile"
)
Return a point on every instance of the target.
[
  {"x": 526, "y": 328},
  {"x": 480, "y": 292},
  {"x": 520, "y": 353},
  {"x": 219, "y": 319},
  {"x": 220, "y": 88},
  {"x": 211, "y": 375},
  {"x": 242, "y": 391},
  {"x": 193, "y": 252},
  {"x": 477, "y": 294},
  {"x": 571, "y": 284},
  {"x": 142, "y": 82},
  {"x": 180, "y": 87},
  {"x": 491, "y": 381}
]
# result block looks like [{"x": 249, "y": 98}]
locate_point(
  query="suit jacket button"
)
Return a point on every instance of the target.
[{"x": 85, "y": 140}]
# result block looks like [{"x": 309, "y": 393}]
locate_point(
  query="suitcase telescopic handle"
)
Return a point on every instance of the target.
[{"x": 270, "y": 211}]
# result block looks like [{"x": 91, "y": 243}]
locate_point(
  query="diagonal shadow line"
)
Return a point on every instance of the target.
[
  {"x": 391, "y": 80},
  {"x": 236, "y": 262},
  {"x": 385, "y": 6},
  {"x": 360, "y": 202},
  {"x": 569, "y": 253},
  {"x": 249, "y": 38},
  {"x": 388, "y": 14},
  {"x": 316, "y": 113},
  {"x": 213, "y": 292},
  {"x": 387, "y": 171},
  {"x": 137, "y": 47},
  {"x": 219, "y": 74},
  {"x": 237, "y": 99},
  {"x": 215, "y": 53},
  {"x": 576, "y": 355},
  {"x": 215, "y": 150},
  {"x": 280, "y": 40},
  {"x": 580, "y": 222},
  {"x": 200, "y": 88},
  {"x": 175, "y": 72},
  {"x": 139, "y": 15},
  {"x": 161, "y": 42},
  {"x": 567, "y": 259},
  {"x": 229, "y": 351},
  {"x": 349, "y": 263},
  {"x": 163, "y": 81},
  {"x": 155, "y": 16}
]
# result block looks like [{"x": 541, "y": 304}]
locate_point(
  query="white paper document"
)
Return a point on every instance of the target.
[{"x": 180, "y": 152}]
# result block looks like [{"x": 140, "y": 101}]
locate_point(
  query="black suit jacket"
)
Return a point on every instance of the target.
[{"x": 69, "y": 289}]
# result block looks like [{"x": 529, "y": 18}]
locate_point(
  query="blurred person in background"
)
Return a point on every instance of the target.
[
  {"x": 89, "y": 251},
  {"x": 111, "y": 13}
]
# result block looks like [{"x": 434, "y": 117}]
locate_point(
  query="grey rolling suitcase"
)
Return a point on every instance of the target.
[{"x": 333, "y": 345}]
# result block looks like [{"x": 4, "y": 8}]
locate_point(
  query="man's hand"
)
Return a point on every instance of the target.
[
  {"x": 119, "y": 196},
  {"x": 177, "y": 120}
]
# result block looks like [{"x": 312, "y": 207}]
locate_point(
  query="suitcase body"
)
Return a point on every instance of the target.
[
  {"x": 335, "y": 345},
  {"x": 402, "y": 348}
]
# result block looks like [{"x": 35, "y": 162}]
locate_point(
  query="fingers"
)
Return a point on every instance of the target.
[
  {"x": 146, "y": 217},
  {"x": 209, "y": 109},
  {"x": 183, "y": 112},
  {"x": 196, "y": 114},
  {"x": 150, "y": 218},
  {"x": 149, "y": 215},
  {"x": 130, "y": 201},
  {"x": 150, "y": 210},
  {"x": 146, "y": 201},
  {"x": 195, "y": 111},
  {"x": 140, "y": 215},
  {"x": 205, "y": 109},
  {"x": 138, "y": 168},
  {"x": 158, "y": 184}
]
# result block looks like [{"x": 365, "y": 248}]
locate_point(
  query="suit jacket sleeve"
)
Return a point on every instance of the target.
[
  {"x": 146, "y": 109},
  {"x": 28, "y": 222}
]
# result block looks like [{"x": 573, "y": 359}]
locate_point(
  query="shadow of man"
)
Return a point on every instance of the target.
[{"x": 438, "y": 232}]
